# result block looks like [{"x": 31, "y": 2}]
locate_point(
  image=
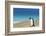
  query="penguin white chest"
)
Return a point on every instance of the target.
[{"x": 31, "y": 22}]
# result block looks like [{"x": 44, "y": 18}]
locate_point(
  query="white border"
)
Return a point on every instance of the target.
[{"x": 27, "y": 28}]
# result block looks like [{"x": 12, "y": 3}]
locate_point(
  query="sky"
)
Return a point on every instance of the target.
[{"x": 25, "y": 13}]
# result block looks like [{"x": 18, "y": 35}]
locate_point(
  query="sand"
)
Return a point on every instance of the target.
[{"x": 25, "y": 24}]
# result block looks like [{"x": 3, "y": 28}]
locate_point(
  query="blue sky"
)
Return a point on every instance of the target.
[{"x": 21, "y": 13}]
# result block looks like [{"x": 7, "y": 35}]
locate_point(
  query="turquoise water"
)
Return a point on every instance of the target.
[{"x": 25, "y": 13}]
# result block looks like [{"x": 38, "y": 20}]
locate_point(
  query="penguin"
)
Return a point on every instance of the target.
[{"x": 31, "y": 21}]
